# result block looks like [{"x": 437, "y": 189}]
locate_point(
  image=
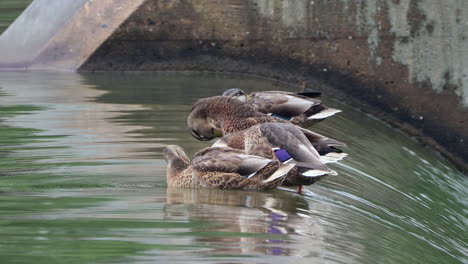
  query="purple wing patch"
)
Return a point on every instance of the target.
[{"x": 282, "y": 155}]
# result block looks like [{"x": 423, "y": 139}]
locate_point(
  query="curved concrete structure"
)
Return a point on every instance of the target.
[{"x": 406, "y": 58}]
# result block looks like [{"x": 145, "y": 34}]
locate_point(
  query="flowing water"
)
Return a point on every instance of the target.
[{"x": 82, "y": 180}]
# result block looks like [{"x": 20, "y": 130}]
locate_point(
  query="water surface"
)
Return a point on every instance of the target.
[
  {"x": 82, "y": 180},
  {"x": 9, "y": 10}
]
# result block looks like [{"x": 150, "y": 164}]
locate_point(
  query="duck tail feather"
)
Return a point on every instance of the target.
[
  {"x": 311, "y": 94},
  {"x": 324, "y": 149},
  {"x": 314, "y": 173},
  {"x": 329, "y": 142},
  {"x": 320, "y": 140},
  {"x": 280, "y": 172},
  {"x": 324, "y": 114},
  {"x": 333, "y": 157}
]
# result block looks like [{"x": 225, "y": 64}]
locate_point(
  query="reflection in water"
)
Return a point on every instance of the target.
[
  {"x": 82, "y": 130},
  {"x": 256, "y": 222},
  {"x": 275, "y": 223},
  {"x": 82, "y": 180}
]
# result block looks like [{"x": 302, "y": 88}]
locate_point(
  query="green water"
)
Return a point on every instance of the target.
[
  {"x": 9, "y": 10},
  {"x": 82, "y": 180}
]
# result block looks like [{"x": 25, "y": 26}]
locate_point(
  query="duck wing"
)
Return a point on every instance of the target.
[
  {"x": 225, "y": 168},
  {"x": 328, "y": 148},
  {"x": 228, "y": 160},
  {"x": 283, "y": 104},
  {"x": 287, "y": 143},
  {"x": 320, "y": 141}
]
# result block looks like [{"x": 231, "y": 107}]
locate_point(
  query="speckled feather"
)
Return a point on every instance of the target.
[
  {"x": 262, "y": 138},
  {"x": 282, "y": 103},
  {"x": 227, "y": 114},
  {"x": 294, "y": 106},
  {"x": 221, "y": 168},
  {"x": 230, "y": 115}
]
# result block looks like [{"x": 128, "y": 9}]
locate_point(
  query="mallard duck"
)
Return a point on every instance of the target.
[
  {"x": 298, "y": 108},
  {"x": 223, "y": 168},
  {"x": 285, "y": 143},
  {"x": 222, "y": 115}
]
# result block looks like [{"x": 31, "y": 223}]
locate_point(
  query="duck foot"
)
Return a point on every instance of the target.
[{"x": 299, "y": 189}]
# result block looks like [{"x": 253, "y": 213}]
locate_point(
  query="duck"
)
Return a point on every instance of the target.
[
  {"x": 219, "y": 116},
  {"x": 216, "y": 116},
  {"x": 223, "y": 168},
  {"x": 301, "y": 109},
  {"x": 286, "y": 143}
]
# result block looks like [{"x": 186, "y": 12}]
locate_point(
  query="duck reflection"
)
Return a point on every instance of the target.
[{"x": 239, "y": 222}]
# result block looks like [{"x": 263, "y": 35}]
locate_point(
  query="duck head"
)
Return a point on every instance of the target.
[
  {"x": 215, "y": 116},
  {"x": 176, "y": 159},
  {"x": 236, "y": 93},
  {"x": 203, "y": 121},
  {"x": 174, "y": 152}
]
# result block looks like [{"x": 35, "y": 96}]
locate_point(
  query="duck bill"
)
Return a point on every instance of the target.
[
  {"x": 197, "y": 136},
  {"x": 217, "y": 133}
]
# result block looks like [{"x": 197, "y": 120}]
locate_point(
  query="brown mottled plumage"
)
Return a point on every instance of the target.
[
  {"x": 221, "y": 115},
  {"x": 263, "y": 139},
  {"x": 223, "y": 168},
  {"x": 299, "y": 108}
]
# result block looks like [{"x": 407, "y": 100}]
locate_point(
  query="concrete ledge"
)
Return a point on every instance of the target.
[{"x": 61, "y": 35}]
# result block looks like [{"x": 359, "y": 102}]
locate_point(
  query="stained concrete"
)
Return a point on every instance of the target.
[{"x": 405, "y": 58}]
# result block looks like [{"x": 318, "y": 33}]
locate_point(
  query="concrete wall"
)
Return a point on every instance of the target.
[
  {"x": 61, "y": 35},
  {"x": 407, "y": 58}
]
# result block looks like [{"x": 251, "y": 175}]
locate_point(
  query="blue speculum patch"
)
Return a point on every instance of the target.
[
  {"x": 282, "y": 117},
  {"x": 282, "y": 155}
]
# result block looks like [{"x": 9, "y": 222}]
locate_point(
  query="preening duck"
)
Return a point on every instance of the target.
[
  {"x": 223, "y": 168},
  {"x": 299, "y": 108},
  {"x": 286, "y": 143},
  {"x": 221, "y": 115}
]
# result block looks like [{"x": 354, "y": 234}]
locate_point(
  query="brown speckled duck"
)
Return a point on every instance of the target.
[
  {"x": 298, "y": 108},
  {"x": 285, "y": 143},
  {"x": 222, "y": 115},
  {"x": 223, "y": 168}
]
